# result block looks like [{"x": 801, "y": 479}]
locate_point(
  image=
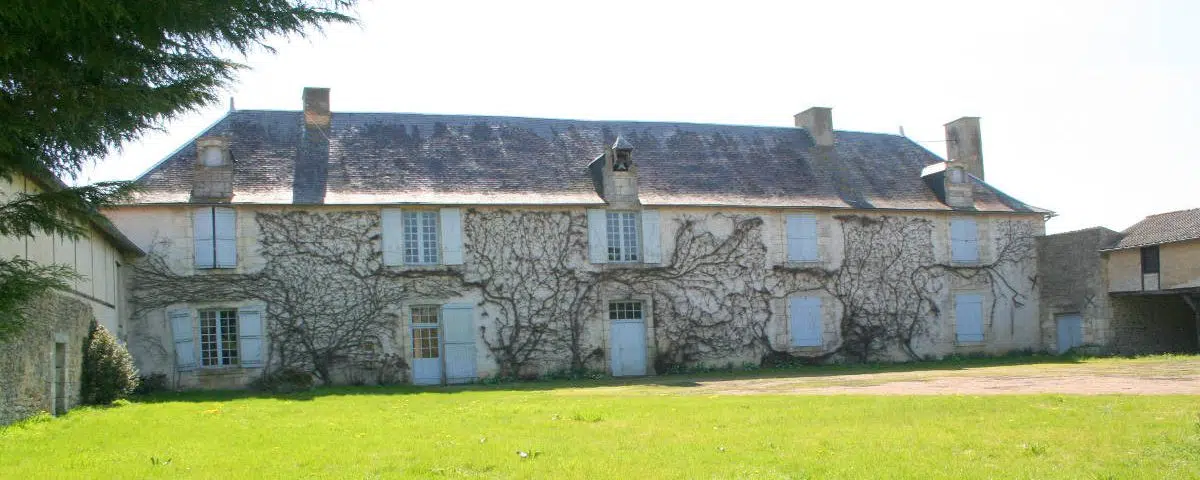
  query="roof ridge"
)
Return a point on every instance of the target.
[{"x": 1173, "y": 211}]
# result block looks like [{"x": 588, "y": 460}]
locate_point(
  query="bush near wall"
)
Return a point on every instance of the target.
[{"x": 108, "y": 371}]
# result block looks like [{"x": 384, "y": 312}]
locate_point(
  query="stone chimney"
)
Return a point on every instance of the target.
[
  {"x": 819, "y": 123},
  {"x": 963, "y": 146},
  {"x": 316, "y": 107},
  {"x": 311, "y": 175}
]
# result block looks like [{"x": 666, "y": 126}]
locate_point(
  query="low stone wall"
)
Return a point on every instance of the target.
[
  {"x": 1152, "y": 324},
  {"x": 27, "y": 361}
]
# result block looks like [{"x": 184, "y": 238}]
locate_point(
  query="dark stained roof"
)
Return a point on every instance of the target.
[
  {"x": 1162, "y": 228},
  {"x": 400, "y": 158}
]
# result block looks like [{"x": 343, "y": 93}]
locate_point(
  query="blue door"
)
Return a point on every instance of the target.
[
  {"x": 628, "y": 348},
  {"x": 1070, "y": 332}
]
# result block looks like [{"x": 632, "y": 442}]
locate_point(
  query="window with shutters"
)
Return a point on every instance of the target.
[
  {"x": 215, "y": 234},
  {"x": 968, "y": 318},
  {"x": 218, "y": 338},
  {"x": 421, "y": 237},
  {"x": 964, "y": 240},
  {"x": 623, "y": 233},
  {"x": 802, "y": 238}
]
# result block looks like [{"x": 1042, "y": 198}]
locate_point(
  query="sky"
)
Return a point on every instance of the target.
[{"x": 1089, "y": 109}]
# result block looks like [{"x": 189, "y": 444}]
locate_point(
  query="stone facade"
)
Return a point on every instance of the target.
[
  {"x": 708, "y": 275},
  {"x": 1074, "y": 281},
  {"x": 27, "y": 362}
]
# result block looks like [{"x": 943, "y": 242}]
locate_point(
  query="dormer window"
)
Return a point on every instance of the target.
[
  {"x": 621, "y": 164},
  {"x": 957, "y": 175},
  {"x": 212, "y": 157},
  {"x": 623, "y": 153},
  {"x": 212, "y": 152}
]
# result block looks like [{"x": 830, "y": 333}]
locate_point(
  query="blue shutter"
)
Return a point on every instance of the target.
[
  {"x": 225, "y": 236},
  {"x": 802, "y": 238},
  {"x": 202, "y": 233},
  {"x": 651, "y": 237},
  {"x": 250, "y": 335},
  {"x": 597, "y": 221},
  {"x": 964, "y": 240},
  {"x": 806, "y": 322},
  {"x": 185, "y": 339},
  {"x": 392, "y": 226},
  {"x": 452, "y": 244},
  {"x": 968, "y": 318}
]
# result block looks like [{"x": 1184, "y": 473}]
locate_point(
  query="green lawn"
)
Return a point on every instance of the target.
[{"x": 651, "y": 432}]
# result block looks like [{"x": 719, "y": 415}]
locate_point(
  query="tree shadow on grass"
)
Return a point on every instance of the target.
[{"x": 673, "y": 380}]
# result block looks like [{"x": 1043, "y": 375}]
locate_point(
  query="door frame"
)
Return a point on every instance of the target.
[{"x": 412, "y": 337}]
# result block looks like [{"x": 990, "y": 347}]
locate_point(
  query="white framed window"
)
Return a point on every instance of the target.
[
  {"x": 421, "y": 237},
  {"x": 215, "y": 235},
  {"x": 625, "y": 311},
  {"x": 426, "y": 331},
  {"x": 218, "y": 338},
  {"x": 806, "y": 321},
  {"x": 228, "y": 337},
  {"x": 968, "y": 318},
  {"x": 964, "y": 240},
  {"x": 622, "y": 230},
  {"x": 802, "y": 238}
]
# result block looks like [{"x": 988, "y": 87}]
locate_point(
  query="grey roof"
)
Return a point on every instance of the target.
[
  {"x": 1162, "y": 228},
  {"x": 400, "y": 158}
]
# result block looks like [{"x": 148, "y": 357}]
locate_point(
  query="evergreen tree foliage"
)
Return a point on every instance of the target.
[
  {"x": 79, "y": 77},
  {"x": 108, "y": 371}
]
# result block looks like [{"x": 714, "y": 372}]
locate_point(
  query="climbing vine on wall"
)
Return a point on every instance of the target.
[{"x": 332, "y": 302}]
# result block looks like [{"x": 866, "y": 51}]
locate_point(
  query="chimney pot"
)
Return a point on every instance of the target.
[
  {"x": 316, "y": 107},
  {"x": 818, "y": 121}
]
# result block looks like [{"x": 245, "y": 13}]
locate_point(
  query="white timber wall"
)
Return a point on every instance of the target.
[{"x": 99, "y": 263}]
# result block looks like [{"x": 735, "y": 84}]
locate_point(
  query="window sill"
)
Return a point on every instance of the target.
[
  {"x": 224, "y": 370},
  {"x": 216, "y": 270}
]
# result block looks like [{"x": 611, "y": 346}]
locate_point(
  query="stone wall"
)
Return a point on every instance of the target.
[
  {"x": 1152, "y": 324},
  {"x": 27, "y": 361},
  {"x": 713, "y": 287},
  {"x": 1072, "y": 279}
]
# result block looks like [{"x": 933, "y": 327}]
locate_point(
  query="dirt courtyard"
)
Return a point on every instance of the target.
[{"x": 1161, "y": 375}]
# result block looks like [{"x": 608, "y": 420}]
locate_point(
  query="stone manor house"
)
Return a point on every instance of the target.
[
  {"x": 382, "y": 247},
  {"x": 432, "y": 249}
]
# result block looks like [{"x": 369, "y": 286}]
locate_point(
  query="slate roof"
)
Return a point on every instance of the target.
[
  {"x": 1162, "y": 228},
  {"x": 401, "y": 158}
]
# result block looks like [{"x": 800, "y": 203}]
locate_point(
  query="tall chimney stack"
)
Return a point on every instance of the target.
[
  {"x": 963, "y": 145},
  {"x": 819, "y": 123},
  {"x": 316, "y": 107}
]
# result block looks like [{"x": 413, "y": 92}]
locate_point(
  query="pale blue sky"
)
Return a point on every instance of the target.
[{"x": 1089, "y": 108}]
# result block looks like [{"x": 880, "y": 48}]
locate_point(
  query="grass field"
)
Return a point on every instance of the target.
[{"x": 606, "y": 429}]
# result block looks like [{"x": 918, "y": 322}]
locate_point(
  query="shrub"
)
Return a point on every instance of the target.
[
  {"x": 108, "y": 371},
  {"x": 152, "y": 383},
  {"x": 284, "y": 380}
]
